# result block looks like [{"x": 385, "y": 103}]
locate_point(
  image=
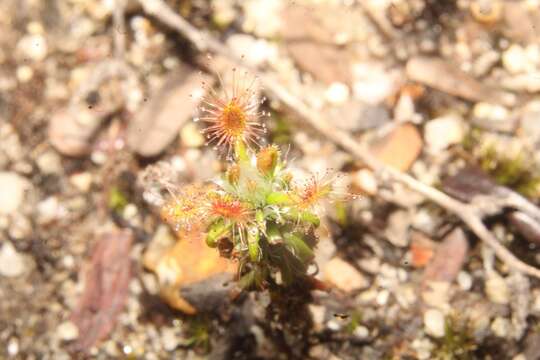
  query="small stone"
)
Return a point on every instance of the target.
[
  {"x": 437, "y": 294},
  {"x": 337, "y": 93},
  {"x": 169, "y": 339},
  {"x": 527, "y": 82},
  {"x": 82, "y": 181},
  {"x": 67, "y": 331},
  {"x": 515, "y": 60},
  {"x": 361, "y": 332},
  {"x": 12, "y": 188},
  {"x": 343, "y": 275},
  {"x": 262, "y": 17},
  {"x": 20, "y": 227},
  {"x": 404, "y": 109},
  {"x": 371, "y": 265},
  {"x": 13, "y": 347},
  {"x": 374, "y": 84},
  {"x": 485, "y": 62},
  {"x": 49, "y": 163},
  {"x": 397, "y": 230},
  {"x": 406, "y": 296},
  {"x": 12, "y": 263},
  {"x": 501, "y": 327},
  {"x": 49, "y": 210},
  {"x": 33, "y": 47},
  {"x": 464, "y": 280},
  {"x": 150, "y": 283},
  {"x": 24, "y": 73},
  {"x": 317, "y": 315},
  {"x": 333, "y": 325},
  {"x": 497, "y": 289},
  {"x": 256, "y": 52},
  {"x": 487, "y": 11},
  {"x": 224, "y": 12},
  {"x": 444, "y": 131},
  {"x": 492, "y": 112},
  {"x": 366, "y": 181},
  {"x": 68, "y": 261},
  {"x": 529, "y": 125},
  {"x": 130, "y": 211},
  {"x": 191, "y": 136},
  {"x": 434, "y": 324},
  {"x": 423, "y": 348},
  {"x": 382, "y": 297}
]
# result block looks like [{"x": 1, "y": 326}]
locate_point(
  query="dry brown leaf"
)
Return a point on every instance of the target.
[
  {"x": 310, "y": 37},
  {"x": 448, "y": 259},
  {"x": 443, "y": 76},
  {"x": 72, "y": 128},
  {"x": 188, "y": 262},
  {"x": 158, "y": 123},
  {"x": 106, "y": 288},
  {"x": 400, "y": 148}
]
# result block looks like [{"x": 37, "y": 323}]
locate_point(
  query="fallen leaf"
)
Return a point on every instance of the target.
[
  {"x": 468, "y": 183},
  {"x": 159, "y": 122},
  {"x": 192, "y": 276},
  {"x": 448, "y": 259},
  {"x": 312, "y": 39},
  {"x": 72, "y": 129},
  {"x": 447, "y": 78},
  {"x": 106, "y": 288},
  {"x": 400, "y": 148}
]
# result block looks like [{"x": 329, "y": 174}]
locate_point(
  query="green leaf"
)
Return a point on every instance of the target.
[
  {"x": 299, "y": 248},
  {"x": 217, "y": 231},
  {"x": 304, "y": 216},
  {"x": 278, "y": 198},
  {"x": 273, "y": 234},
  {"x": 253, "y": 244}
]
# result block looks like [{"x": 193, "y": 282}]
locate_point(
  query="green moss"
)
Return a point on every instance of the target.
[
  {"x": 516, "y": 171},
  {"x": 457, "y": 343},
  {"x": 281, "y": 131},
  {"x": 117, "y": 199},
  {"x": 198, "y": 330}
]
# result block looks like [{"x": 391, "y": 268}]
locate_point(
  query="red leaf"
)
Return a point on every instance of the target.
[
  {"x": 106, "y": 288},
  {"x": 422, "y": 249}
]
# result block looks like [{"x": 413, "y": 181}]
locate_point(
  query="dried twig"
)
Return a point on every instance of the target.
[
  {"x": 466, "y": 212},
  {"x": 119, "y": 29}
]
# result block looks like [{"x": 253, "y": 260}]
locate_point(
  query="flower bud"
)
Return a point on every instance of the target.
[
  {"x": 267, "y": 159},
  {"x": 233, "y": 174}
]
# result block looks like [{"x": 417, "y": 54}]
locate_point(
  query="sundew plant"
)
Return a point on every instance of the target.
[{"x": 256, "y": 212}]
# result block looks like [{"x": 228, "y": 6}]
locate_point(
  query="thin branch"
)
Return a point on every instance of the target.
[
  {"x": 119, "y": 29},
  {"x": 466, "y": 212}
]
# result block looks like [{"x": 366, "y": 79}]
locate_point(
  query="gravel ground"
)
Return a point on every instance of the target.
[{"x": 96, "y": 103}]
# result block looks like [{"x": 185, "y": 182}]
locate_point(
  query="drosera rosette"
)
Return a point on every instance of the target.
[
  {"x": 184, "y": 210},
  {"x": 234, "y": 114},
  {"x": 255, "y": 213}
]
